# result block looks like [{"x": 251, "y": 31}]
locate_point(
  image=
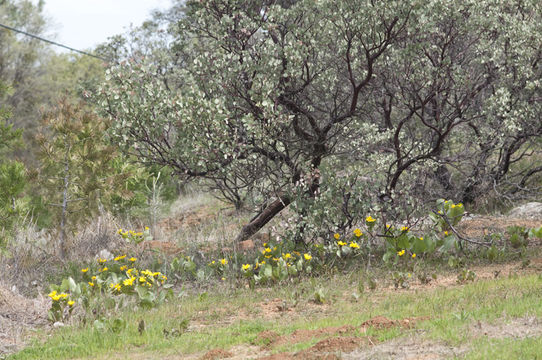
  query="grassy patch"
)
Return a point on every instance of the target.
[{"x": 230, "y": 316}]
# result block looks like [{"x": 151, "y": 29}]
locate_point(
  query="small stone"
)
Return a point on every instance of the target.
[
  {"x": 58, "y": 324},
  {"x": 246, "y": 245},
  {"x": 104, "y": 254}
]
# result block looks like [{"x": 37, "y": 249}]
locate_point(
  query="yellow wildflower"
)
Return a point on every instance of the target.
[
  {"x": 56, "y": 297},
  {"x": 341, "y": 243},
  {"x": 139, "y": 234},
  {"x": 104, "y": 269},
  {"x": 401, "y": 253},
  {"x": 91, "y": 283},
  {"x": 52, "y": 293},
  {"x": 354, "y": 245},
  {"x": 307, "y": 256},
  {"x": 421, "y": 238},
  {"x": 63, "y": 295},
  {"x": 287, "y": 255},
  {"x": 132, "y": 259},
  {"x": 123, "y": 267},
  {"x": 446, "y": 233},
  {"x": 246, "y": 267},
  {"x": 337, "y": 236},
  {"x": 224, "y": 261},
  {"x": 358, "y": 232},
  {"x": 120, "y": 257},
  {"x": 265, "y": 244},
  {"x": 405, "y": 228},
  {"x": 413, "y": 255},
  {"x": 120, "y": 231},
  {"x": 84, "y": 270},
  {"x": 142, "y": 279},
  {"x": 71, "y": 302},
  {"x": 129, "y": 282},
  {"x": 147, "y": 272},
  {"x": 101, "y": 261},
  {"x": 268, "y": 250},
  {"x": 370, "y": 219}
]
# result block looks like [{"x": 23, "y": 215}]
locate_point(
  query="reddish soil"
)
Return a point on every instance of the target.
[
  {"x": 330, "y": 348},
  {"x": 216, "y": 354},
  {"x": 272, "y": 339}
]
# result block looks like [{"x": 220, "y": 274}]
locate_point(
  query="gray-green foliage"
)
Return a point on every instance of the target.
[{"x": 340, "y": 108}]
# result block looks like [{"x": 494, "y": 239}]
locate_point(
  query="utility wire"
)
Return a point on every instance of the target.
[{"x": 52, "y": 42}]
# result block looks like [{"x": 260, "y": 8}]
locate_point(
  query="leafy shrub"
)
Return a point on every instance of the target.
[
  {"x": 109, "y": 285},
  {"x": 518, "y": 236}
]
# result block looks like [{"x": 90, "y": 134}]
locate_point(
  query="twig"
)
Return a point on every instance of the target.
[{"x": 445, "y": 218}]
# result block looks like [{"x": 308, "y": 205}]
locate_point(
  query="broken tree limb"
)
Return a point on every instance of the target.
[{"x": 263, "y": 218}]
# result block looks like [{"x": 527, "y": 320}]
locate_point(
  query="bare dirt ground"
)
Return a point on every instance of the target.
[
  {"x": 339, "y": 342},
  {"x": 19, "y": 316}
]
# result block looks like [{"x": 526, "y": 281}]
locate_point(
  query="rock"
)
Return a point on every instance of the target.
[
  {"x": 165, "y": 247},
  {"x": 58, "y": 325},
  {"x": 104, "y": 254},
  {"x": 246, "y": 245},
  {"x": 530, "y": 210}
]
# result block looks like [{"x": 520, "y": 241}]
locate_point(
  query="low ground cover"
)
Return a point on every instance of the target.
[{"x": 497, "y": 316}]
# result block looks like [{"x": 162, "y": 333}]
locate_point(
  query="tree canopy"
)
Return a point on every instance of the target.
[{"x": 369, "y": 105}]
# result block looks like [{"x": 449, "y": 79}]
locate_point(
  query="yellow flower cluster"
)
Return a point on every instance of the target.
[
  {"x": 354, "y": 245},
  {"x": 370, "y": 219},
  {"x": 126, "y": 233},
  {"x": 357, "y": 232},
  {"x": 57, "y": 297},
  {"x": 401, "y": 253},
  {"x": 122, "y": 265}
]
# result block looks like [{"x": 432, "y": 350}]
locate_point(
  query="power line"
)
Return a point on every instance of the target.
[{"x": 52, "y": 42}]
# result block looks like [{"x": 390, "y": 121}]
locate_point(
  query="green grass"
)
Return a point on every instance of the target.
[{"x": 229, "y": 316}]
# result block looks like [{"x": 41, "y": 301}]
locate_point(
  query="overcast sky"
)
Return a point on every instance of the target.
[{"x": 82, "y": 24}]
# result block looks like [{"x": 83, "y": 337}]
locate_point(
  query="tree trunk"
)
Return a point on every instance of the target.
[
  {"x": 64, "y": 210},
  {"x": 263, "y": 218}
]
